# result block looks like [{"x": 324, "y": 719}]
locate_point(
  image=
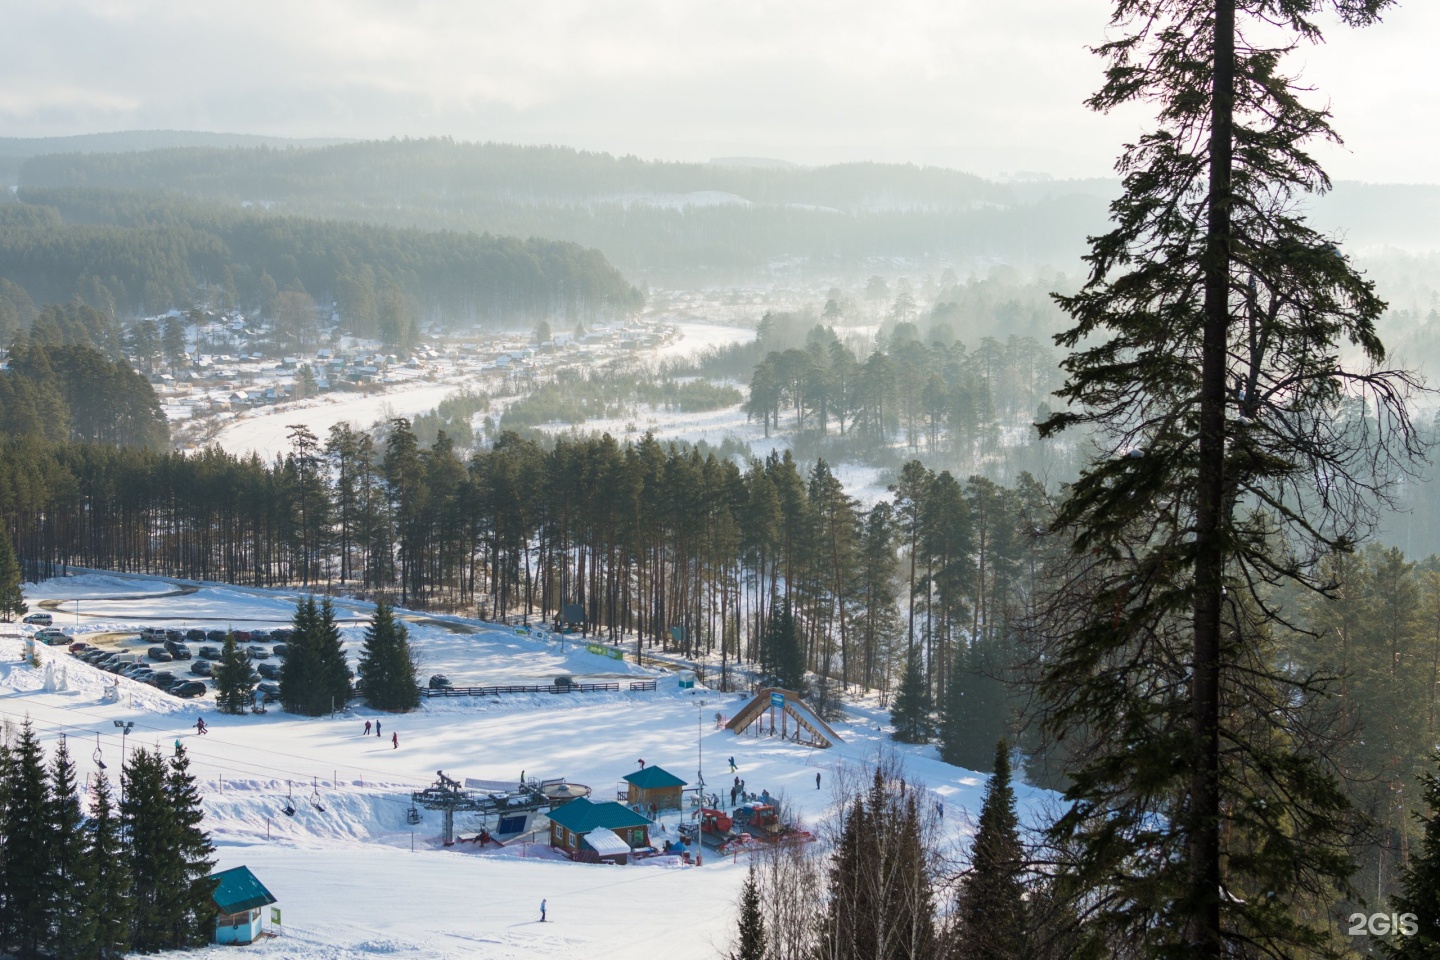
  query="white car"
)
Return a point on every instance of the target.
[{"x": 40, "y": 619}]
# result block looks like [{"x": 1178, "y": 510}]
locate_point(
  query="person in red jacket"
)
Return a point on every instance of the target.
[{"x": 395, "y": 741}]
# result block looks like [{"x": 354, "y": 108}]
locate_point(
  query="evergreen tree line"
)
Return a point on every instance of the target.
[
  {"x": 643, "y": 537},
  {"x": 92, "y": 877},
  {"x": 936, "y": 396},
  {"x": 839, "y": 216},
  {"x": 887, "y": 887},
  {"x": 132, "y": 254},
  {"x": 58, "y": 390}
]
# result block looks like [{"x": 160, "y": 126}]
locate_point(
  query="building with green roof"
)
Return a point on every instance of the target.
[
  {"x": 653, "y": 785},
  {"x": 239, "y": 898},
  {"x": 570, "y": 824}
]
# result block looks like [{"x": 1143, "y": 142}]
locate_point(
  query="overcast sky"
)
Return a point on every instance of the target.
[{"x": 990, "y": 87}]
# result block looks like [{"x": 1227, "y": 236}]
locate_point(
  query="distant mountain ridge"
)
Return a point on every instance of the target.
[
  {"x": 125, "y": 141},
  {"x": 732, "y": 218}
]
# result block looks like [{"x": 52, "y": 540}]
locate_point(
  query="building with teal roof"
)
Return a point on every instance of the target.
[
  {"x": 240, "y": 899},
  {"x": 653, "y": 785},
  {"x": 570, "y": 825}
]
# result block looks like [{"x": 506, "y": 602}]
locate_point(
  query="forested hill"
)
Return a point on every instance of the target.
[
  {"x": 684, "y": 222},
  {"x": 664, "y": 221},
  {"x": 135, "y": 252}
]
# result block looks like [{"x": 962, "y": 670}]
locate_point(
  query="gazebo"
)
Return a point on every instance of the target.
[{"x": 653, "y": 785}]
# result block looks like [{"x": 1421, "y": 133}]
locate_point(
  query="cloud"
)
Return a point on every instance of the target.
[{"x": 971, "y": 84}]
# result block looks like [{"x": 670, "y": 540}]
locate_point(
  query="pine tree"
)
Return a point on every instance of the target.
[
  {"x": 1419, "y": 892},
  {"x": 153, "y": 862},
  {"x": 110, "y": 894},
  {"x": 334, "y": 675},
  {"x": 72, "y": 871},
  {"x": 27, "y": 832},
  {"x": 12, "y": 599},
  {"x": 1209, "y": 364},
  {"x": 750, "y": 936},
  {"x": 187, "y": 898},
  {"x": 7, "y": 767},
  {"x": 234, "y": 679},
  {"x": 976, "y": 710},
  {"x": 782, "y": 659},
  {"x": 990, "y": 909},
  {"x": 387, "y": 668},
  {"x": 300, "y": 674},
  {"x": 910, "y": 712}
]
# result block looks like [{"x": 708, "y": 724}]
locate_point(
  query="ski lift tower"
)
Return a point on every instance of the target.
[{"x": 447, "y": 796}]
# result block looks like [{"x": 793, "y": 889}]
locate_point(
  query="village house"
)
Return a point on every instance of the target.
[{"x": 598, "y": 832}]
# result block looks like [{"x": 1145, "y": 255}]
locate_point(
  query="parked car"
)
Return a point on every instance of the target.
[
  {"x": 79, "y": 647},
  {"x": 269, "y": 691},
  {"x": 174, "y": 634},
  {"x": 201, "y": 668},
  {"x": 210, "y": 653},
  {"x": 259, "y": 636},
  {"x": 177, "y": 649},
  {"x": 40, "y": 619},
  {"x": 189, "y": 689},
  {"x": 162, "y": 680},
  {"x": 280, "y": 649},
  {"x": 159, "y": 654},
  {"x": 215, "y": 636},
  {"x": 52, "y": 636},
  {"x": 151, "y": 634},
  {"x": 242, "y": 636},
  {"x": 95, "y": 655},
  {"x": 282, "y": 635},
  {"x": 137, "y": 671},
  {"x": 439, "y": 682},
  {"x": 257, "y": 653},
  {"x": 194, "y": 633},
  {"x": 563, "y": 681},
  {"x": 270, "y": 671}
]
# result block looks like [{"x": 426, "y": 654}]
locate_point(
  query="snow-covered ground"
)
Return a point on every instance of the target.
[
  {"x": 355, "y": 878},
  {"x": 266, "y": 431}
]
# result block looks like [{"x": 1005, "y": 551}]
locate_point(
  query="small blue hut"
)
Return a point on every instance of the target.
[{"x": 239, "y": 897}]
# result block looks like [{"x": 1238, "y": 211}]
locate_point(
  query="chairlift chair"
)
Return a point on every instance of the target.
[
  {"x": 289, "y": 808},
  {"x": 98, "y": 761},
  {"x": 315, "y": 795},
  {"x": 413, "y": 815}
]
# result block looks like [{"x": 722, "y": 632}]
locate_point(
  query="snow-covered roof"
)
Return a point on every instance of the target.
[{"x": 606, "y": 842}]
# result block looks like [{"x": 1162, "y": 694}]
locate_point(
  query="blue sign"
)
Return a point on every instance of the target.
[{"x": 777, "y": 699}]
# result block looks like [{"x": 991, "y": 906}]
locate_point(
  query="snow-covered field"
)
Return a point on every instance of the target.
[{"x": 355, "y": 878}]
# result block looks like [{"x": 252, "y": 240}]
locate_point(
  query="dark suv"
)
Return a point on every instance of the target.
[{"x": 177, "y": 649}]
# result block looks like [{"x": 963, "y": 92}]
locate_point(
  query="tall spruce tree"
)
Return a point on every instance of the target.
[
  {"x": 387, "y": 668},
  {"x": 335, "y": 673},
  {"x": 1206, "y": 362},
  {"x": 12, "y": 599},
  {"x": 976, "y": 709},
  {"x": 71, "y": 870},
  {"x": 234, "y": 678},
  {"x": 750, "y": 935},
  {"x": 782, "y": 658},
  {"x": 990, "y": 915},
  {"x": 110, "y": 894},
  {"x": 1419, "y": 892},
  {"x": 151, "y": 841},
  {"x": 188, "y": 890},
  {"x": 28, "y": 877},
  {"x": 880, "y": 900},
  {"x": 300, "y": 673},
  {"x": 910, "y": 713}
]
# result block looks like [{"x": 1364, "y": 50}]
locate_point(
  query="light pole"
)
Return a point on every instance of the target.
[{"x": 700, "y": 778}]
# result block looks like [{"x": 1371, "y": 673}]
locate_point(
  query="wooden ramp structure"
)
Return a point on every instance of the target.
[{"x": 796, "y": 721}]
